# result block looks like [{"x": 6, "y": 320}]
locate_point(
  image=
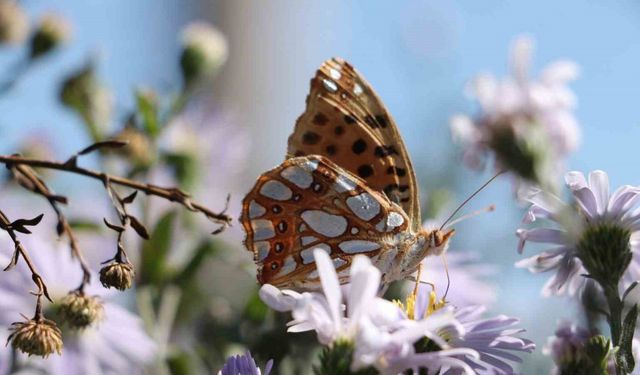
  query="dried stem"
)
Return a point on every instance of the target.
[
  {"x": 28, "y": 178},
  {"x": 170, "y": 193},
  {"x": 21, "y": 251}
]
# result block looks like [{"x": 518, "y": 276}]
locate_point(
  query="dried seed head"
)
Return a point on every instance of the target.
[
  {"x": 140, "y": 149},
  {"x": 36, "y": 337},
  {"x": 52, "y": 31},
  {"x": 80, "y": 311},
  {"x": 117, "y": 275},
  {"x": 14, "y": 24}
]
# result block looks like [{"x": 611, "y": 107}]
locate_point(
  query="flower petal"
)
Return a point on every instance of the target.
[
  {"x": 330, "y": 285},
  {"x": 599, "y": 184}
]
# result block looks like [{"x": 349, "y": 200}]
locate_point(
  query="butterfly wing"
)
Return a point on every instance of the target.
[
  {"x": 346, "y": 121},
  {"x": 307, "y": 203}
]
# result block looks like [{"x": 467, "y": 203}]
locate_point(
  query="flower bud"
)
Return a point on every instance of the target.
[
  {"x": 52, "y": 31},
  {"x": 139, "y": 149},
  {"x": 605, "y": 252},
  {"x": 117, "y": 275},
  {"x": 39, "y": 337},
  {"x": 83, "y": 93},
  {"x": 81, "y": 311},
  {"x": 14, "y": 24},
  {"x": 204, "y": 52}
]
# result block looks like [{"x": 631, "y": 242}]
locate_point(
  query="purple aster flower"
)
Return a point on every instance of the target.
[
  {"x": 381, "y": 336},
  {"x": 528, "y": 125},
  {"x": 597, "y": 213},
  {"x": 567, "y": 349},
  {"x": 244, "y": 365},
  {"x": 493, "y": 338},
  {"x": 117, "y": 344}
]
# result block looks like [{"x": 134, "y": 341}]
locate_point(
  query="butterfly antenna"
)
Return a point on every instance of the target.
[
  {"x": 489, "y": 208},
  {"x": 446, "y": 269},
  {"x": 470, "y": 198}
]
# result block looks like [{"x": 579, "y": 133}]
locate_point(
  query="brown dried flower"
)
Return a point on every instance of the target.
[
  {"x": 80, "y": 311},
  {"x": 117, "y": 275},
  {"x": 36, "y": 337}
]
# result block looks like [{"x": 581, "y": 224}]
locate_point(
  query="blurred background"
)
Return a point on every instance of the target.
[{"x": 417, "y": 55}]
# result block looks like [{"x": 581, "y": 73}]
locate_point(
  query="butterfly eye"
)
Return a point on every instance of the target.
[
  {"x": 274, "y": 266},
  {"x": 317, "y": 187},
  {"x": 296, "y": 197},
  {"x": 276, "y": 209},
  {"x": 279, "y": 247}
]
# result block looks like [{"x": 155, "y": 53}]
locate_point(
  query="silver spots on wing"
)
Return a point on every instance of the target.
[
  {"x": 276, "y": 190},
  {"x": 288, "y": 266},
  {"x": 358, "y": 246},
  {"x": 357, "y": 89},
  {"x": 344, "y": 184},
  {"x": 256, "y": 210},
  {"x": 302, "y": 227},
  {"x": 311, "y": 165},
  {"x": 307, "y": 254},
  {"x": 306, "y": 240},
  {"x": 364, "y": 206},
  {"x": 335, "y": 74},
  {"x": 394, "y": 220},
  {"x": 324, "y": 223},
  {"x": 262, "y": 229},
  {"x": 329, "y": 85},
  {"x": 355, "y": 230},
  {"x": 262, "y": 248},
  {"x": 298, "y": 176}
]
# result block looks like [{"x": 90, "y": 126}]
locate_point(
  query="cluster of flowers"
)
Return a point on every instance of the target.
[
  {"x": 391, "y": 337},
  {"x": 528, "y": 128}
]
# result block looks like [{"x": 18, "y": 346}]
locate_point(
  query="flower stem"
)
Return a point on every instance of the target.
[{"x": 615, "y": 318}]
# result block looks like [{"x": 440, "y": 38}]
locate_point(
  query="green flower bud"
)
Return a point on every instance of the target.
[
  {"x": 52, "y": 31},
  {"x": 605, "y": 252},
  {"x": 204, "y": 52}
]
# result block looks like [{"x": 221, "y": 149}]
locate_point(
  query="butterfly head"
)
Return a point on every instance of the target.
[{"x": 438, "y": 241}]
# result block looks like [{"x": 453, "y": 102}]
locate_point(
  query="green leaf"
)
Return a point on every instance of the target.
[
  {"x": 629, "y": 289},
  {"x": 255, "y": 310},
  {"x": 156, "y": 250},
  {"x": 148, "y": 111},
  {"x": 624, "y": 357},
  {"x": 190, "y": 270},
  {"x": 185, "y": 167}
]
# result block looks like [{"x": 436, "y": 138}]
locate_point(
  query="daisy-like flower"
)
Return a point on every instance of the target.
[
  {"x": 380, "y": 335},
  {"x": 244, "y": 365},
  {"x": 528, "y": 125},
  {"x": 116, "y": 343},
  {"x": 493, "y": 338},
  {"x": 597, "y": 236}
]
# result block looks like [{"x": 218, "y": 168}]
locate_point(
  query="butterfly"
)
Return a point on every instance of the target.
[{"x": 347, "y": 187}]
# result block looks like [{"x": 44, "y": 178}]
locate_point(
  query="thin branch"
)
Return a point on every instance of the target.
[
  {"x": 169, "y": 193},
  {"x": 29, "y": 179},
  {"x": 21, "y": 251}
]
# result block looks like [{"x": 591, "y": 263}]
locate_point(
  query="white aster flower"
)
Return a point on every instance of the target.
[
  {"x": 381, "y": 336},
  {"x": 528, "y": 125},
  {"x": 597, "y": 237}
]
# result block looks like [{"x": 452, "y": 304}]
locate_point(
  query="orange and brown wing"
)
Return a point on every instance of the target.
[
  {"x": 347, "y": 122},
  {"x": 307, "y": 203}
]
